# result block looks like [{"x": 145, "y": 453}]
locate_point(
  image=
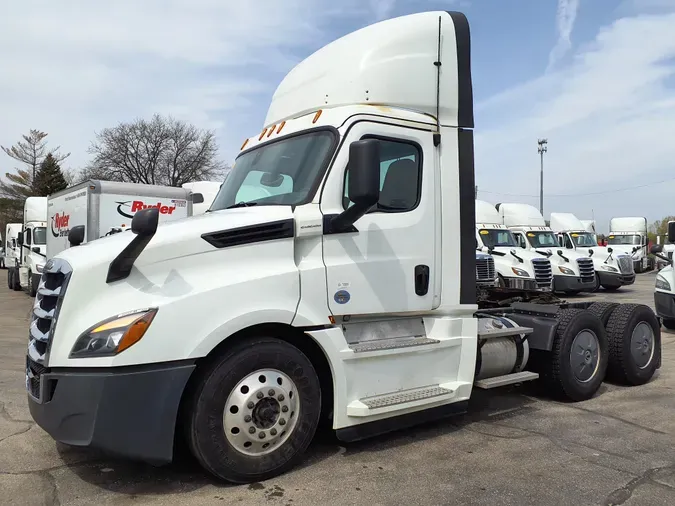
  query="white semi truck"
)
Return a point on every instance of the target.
[
  {"x": 11, "y": 249},
  {"x": 613, "y": 269},
  {"x": 664, "y": 285},
  {"x": 518, "y": 269},
  {"x": 573, "y": 272},
  {"x": 350, "y": 296},
  {"x": 32, "y": 242},
  {"x": 107, "y": 207},
  {"x": 629, "y": 234}
]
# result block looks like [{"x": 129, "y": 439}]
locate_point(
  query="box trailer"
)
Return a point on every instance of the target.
[{"x": 107, "y": 207}]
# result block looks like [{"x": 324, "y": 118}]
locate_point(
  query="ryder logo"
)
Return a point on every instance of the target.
[
  {"x": 60, "y": 227},
  {"x": 137, "y": 205}
]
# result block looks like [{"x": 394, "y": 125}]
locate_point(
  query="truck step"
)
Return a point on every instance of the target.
[
  {"x": 505, "y": 332},
  {"x": 369, "y": 406},
  {"x": 507, "y": 379},
  {"x": 392, "y": 344}
]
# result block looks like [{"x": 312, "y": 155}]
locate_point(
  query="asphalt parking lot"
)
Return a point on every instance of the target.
[{"x": 514, "y": 447}]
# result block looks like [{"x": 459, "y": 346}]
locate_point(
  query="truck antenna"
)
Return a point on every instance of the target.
[{"x": 437, "y": 63}]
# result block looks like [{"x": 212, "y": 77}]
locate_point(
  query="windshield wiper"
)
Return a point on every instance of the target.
[{"x": 242, "y": 204}]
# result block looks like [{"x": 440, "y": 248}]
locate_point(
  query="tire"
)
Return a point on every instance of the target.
[
  {"x": 9, "y": 278},
  {"x": 33, "y": 283},
  {"x": 603, "y": 310},
  {"x": 597, "y": 283},
  {"x": 571, "y": 293},
  {"x": 218, "y": 387},
  {"x": 16, "y": 283},
  {"x": 611, "y": 288},
  {"x": 634, "y": 336},
  {"x": 669, "y": 324},
  {"x": 569, "y": 380}
]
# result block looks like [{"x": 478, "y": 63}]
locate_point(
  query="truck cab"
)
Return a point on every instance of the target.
[
  {"x": 629, "y": 234},
  {"x": 573, "y": 272},
  {"x": 11, "y": 248},
  {"x": 33, "y": 244},
  {"x": 517, "y": 268},
  {"x": 613, "y": 269}
]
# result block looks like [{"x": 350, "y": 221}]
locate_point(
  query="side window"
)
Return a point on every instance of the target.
[
  {"x": 257, "y": 185},
  {"x": 400, "y": 177},
  {"x": 521, "y": 240},
  {"x": 568, "y": 243},
  {"x": 28, "y": 231}
]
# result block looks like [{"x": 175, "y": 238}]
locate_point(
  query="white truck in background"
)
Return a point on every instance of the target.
[
  {"x": 32, "y": 242},
  {"x": 107, "y": 207},
  {"x": 208, "y": 189},
  {"x": 11, "y": 253},
  {"x": 517, "y": 268},
  {"x": 629, "y": 234},
  {"x": 589, "y": 226},
  {"x": 664, "y": 285},
  {"x": 348, "y": 295},
  {"x": 613, "y": 269},
  {"x": 573, "y": 272}
]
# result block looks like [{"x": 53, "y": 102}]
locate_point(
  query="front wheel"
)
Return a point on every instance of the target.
[
  {"x": 669, "y": 324},
  {"x": 611, "y": 288},
  {"x": 16, "y": 281},
  {"x": 254, "y": 411},
  {"x": 33, "y": 282}
]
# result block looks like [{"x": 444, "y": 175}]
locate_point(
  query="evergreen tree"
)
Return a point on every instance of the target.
[{"x": 49, "y": 178}]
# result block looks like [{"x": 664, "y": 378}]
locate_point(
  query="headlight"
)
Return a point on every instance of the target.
[
  {"x": 39, "y": 268},
  {"x": 520, "y": 272},
  {"x": 567, "y": 271},
  {"x": 662, "y": 284},
  {"x": 609, "y": 268},
  {"x": 114, "y": 335}
]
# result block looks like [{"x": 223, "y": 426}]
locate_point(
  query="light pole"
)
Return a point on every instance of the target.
[{"x": 541, "y": 149}]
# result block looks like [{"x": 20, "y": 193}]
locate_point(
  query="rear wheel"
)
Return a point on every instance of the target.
[
  {"x": 634, "y": 336},
  {"x": 603, "y": 310},
  {"x": 575, "y": 367},
  {"x": 254, "y": 411}
]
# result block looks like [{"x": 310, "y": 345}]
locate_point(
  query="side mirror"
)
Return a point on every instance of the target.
[
  {"x": 560, "y": 252},
  {"x": 76, "y": 235},
  {"x": 144, "y": 223},
  {"x": 610, "y": 250},
  {"x": 656, "y": 249},
  {"x": 35, "y": 249},
  {"x": 364, "y": 184},
  {"x": 590, "y": 252},
  {"x": 197, "y": 198},
  {"x": 671, "y": 231},
  {"x": 19, "y": 239}
]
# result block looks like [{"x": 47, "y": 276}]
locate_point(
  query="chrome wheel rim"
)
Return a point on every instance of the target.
[
  {"x": 261, "y": 412},
  {"x": 642, "y": 344},
  {"x": 584, "y": 356}
]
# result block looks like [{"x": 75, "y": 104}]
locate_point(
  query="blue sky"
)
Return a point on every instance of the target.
[{"x": 596, "y": 77}]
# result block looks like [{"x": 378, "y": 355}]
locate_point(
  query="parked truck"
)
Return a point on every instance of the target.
[
  {"x": 32, "y": 242},
  {"x": 107, "y": 207},
  {"x": 629, "y": 234},
  {"x": 348, "y": 296},
  {"x": 613, "y": 269},
  {"x": 517, "y": 269},
  {"x": 11, "y": 250},
  {"x": 208, "y": 190},
  {"x": 664, "y": 285},
  {"x": 573, "y": 271}
]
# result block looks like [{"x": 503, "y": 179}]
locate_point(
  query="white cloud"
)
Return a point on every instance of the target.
[
  {"x": 609, "y": 117},
  {"x": 566, "y": 15}
]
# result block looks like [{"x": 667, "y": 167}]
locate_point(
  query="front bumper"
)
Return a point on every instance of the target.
[
  {"x": 615, "y": 279},
  {"x": 526, "y": 284},
  {"x": 127, "y": 411},
  {"x": 664, "y": 303},
  {"x": 572, "y": 284}
]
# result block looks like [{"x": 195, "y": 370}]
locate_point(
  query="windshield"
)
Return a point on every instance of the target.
[
  {"x": 280, "y": 173},
  {"x": 584, "y": 239},
  {"x": 542, "y": 239},
  {"x": 493, "y": 238},
  {"x": 633, "y": 240},
  {"x": 40, "y": 235}
]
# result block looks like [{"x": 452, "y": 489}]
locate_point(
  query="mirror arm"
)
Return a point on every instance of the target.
[{"x": 344, "y": 222}]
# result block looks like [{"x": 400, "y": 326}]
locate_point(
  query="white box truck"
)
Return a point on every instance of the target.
[
  {"x": 32, "y": 241},
  {"x": 107, "y": 207},
  {"x": 347, "y": 294},
  {"x": 573, "y": 271},
  {"x": 613, "y": 269},
  {"x": 629, "y": 234}
]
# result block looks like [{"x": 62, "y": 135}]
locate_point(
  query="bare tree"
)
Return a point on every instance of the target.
[
  {"x": 33, "y": 150},
  {"x": 162, "y": 151}
]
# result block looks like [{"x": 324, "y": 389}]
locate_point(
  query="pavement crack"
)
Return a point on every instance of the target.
[
  {"x": 16, "y": 433},
  {"x": 5, "y": 414},
  {"x": 53, "y": 499},
  {"x": 618, "y": 419},
  {"x": 621, "y": 495}
]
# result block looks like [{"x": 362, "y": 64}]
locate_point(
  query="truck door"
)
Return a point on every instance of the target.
[
  {"x": 388, "y": 265},
  {"x": 27, "y": 241}
]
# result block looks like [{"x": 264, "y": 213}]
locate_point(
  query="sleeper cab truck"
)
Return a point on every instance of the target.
[
  {"x": 344, "y": 291},
  {"x": 32, "y": 242},
  {"x": 664, "y": 285},
  {"x": 629, "y": 234}
]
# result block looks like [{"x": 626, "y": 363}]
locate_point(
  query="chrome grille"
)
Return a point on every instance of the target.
[
  {"x": 485, "y": 268},
  {"x": 625, "y": 264},
  {"x": 50, "y": 292},
  {"x": 543, "y": 274},
  {"x": 586, "y": 269}
]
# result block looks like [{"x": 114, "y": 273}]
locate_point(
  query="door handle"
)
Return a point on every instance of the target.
[{"x": 421, "y": 279}]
